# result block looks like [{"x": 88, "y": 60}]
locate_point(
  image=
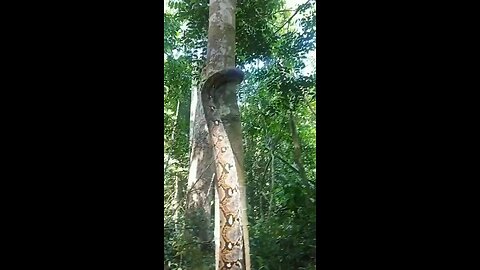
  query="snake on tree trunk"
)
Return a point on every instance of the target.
[{"x": 213, "y": 92}]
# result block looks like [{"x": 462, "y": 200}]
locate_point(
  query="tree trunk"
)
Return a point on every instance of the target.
[
  {"x": 272, "y": 183},
  {"x": 223, "y": 118},
  {"x": 297, "y": 149},
  {"x": 176, "y": 192},
  {"x": 201, "y": 170}
]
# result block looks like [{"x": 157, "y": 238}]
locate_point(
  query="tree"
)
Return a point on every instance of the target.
[
  {"x": 222, "y": 113},
  {"x": 200, "y": 180}
]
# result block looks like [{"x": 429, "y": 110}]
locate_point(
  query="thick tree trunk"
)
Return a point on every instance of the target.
[
  {"x": 221, "y": 56},
  {"x": 199, "y": 196},
  {"x": 201, "y": 159}
]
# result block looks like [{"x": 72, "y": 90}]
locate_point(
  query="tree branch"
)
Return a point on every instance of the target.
[{"x": 291, "y": 17}]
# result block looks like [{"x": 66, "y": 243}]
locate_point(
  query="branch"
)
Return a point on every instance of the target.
[
  {"x": 284, "y": 10},
  {"x": 291, "y": 17},
  {"x": 265, "y": 170},
  {"x": 264, "y": 175},
  {"x": 284, "y": 161},
  {"x": 308, "y": 105}
]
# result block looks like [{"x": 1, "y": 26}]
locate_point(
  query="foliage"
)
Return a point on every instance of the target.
[{"x": 272, "y": 49}]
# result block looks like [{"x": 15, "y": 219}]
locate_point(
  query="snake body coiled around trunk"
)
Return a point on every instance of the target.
[{"x": 231, "y": 235}]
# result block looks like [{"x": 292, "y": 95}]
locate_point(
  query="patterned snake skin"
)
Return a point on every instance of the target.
[{"x": 231, "y": 235}]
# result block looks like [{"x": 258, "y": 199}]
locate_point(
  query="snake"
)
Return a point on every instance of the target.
[{"x": 231, "y": 253}]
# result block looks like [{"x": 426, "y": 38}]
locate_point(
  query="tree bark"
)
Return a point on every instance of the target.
[
  {"x": 220, "y": 56},
  {"x": 201, "y": 170}
]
